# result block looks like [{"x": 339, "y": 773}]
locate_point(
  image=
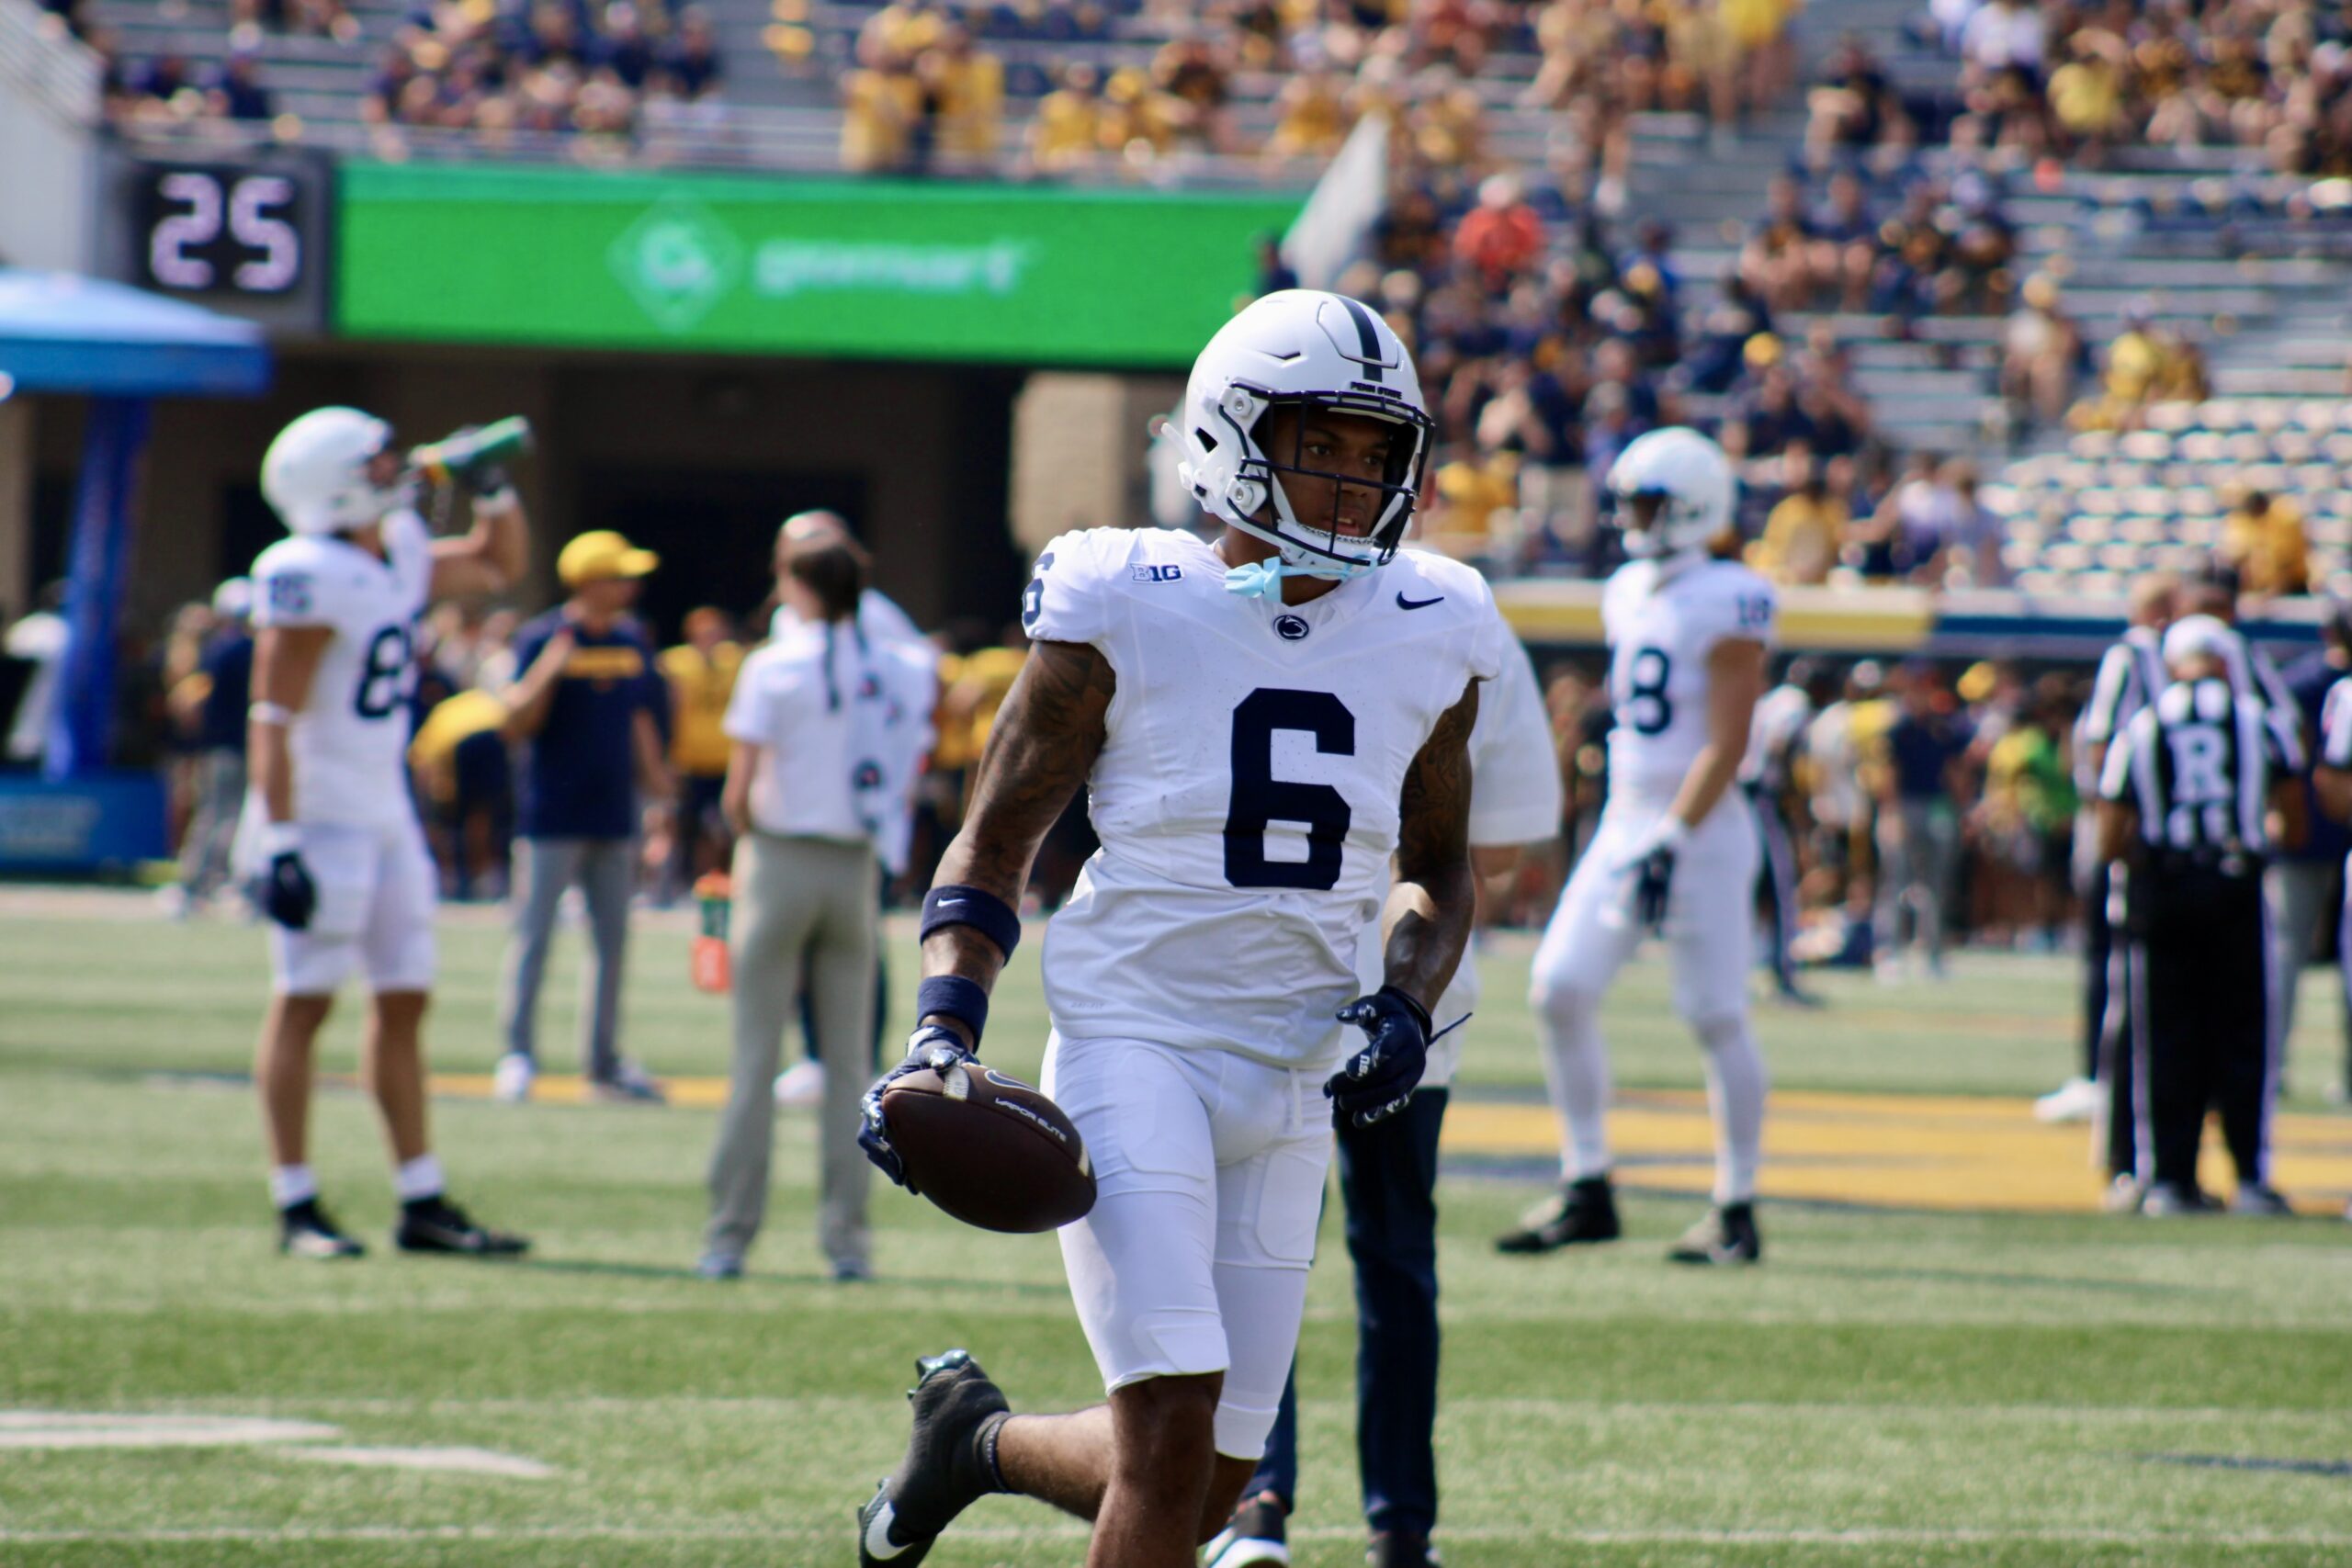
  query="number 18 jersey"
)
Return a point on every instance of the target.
[
  {"x": 1247, "y": 793},
  {"x": 349, "y": 743},
  {"x": 1661, "y": 626}
]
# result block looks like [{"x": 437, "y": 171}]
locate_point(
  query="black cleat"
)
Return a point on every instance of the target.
[
  {"x": 1395, "y": 1548},
  {"x": 436, "y": 1224},
  {"x": 1253, "y": 1537},
  {"x": 2262, "y": 1200},
  {"x": 950, "y": 1463},
  {"x": 1579, "y": 1213},
  {"x": 1726, "y": 1235},
  {"x": 2169, "y": 1200},
  {"x": 305, "y": 1231}
]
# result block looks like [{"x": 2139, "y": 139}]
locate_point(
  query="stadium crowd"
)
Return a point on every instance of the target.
[
  {"x": 926, "y": 82},
  {"x": 548, "y": 67},
  {"x": 2080, "y": 80}
]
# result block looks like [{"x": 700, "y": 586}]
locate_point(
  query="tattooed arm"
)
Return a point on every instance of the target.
[
  {"x": 1040, "y": 750},
  {"x": 1435, "y": 898}
]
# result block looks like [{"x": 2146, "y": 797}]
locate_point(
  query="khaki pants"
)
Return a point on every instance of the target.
[
  {"x": 205, "y": 854},
  {"x": 605, "y": 869},
  {"x": 812, "y": 902}
]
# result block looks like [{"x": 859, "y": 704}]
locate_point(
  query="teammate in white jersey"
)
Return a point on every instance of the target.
[
  {"x": 330, "y": 828},
  {"x": 1676, "y": 852},
  {"x": 1261, "y": 723}
]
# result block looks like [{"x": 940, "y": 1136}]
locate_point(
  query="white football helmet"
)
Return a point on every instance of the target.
[
  {"x": 1305, "y": 347},
  {"x": 315, "y": 473},
  {"x": 1691, "y": 478}
]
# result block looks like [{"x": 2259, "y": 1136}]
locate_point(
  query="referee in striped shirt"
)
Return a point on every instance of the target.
[{"x": 2194, "y": 794}]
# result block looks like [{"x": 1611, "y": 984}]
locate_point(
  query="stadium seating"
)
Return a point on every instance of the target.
[
  {"x": 2247, "y": 266},
  {"x": 2108, "y": 505}
]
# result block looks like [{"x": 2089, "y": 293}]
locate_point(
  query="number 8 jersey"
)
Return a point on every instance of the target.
[
  {"x": 1661, "y": 624},
  {"x": 349, "y": 743},
  {"x": 1247, "y": 789}
]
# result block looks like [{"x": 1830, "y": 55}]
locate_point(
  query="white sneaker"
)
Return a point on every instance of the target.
[
  {"x": 173, "y": 903},
  {"x": 800, "y": 1085},
  {"x": 2077, "y": 1100},
  {"x": 510, "y": 1085}
]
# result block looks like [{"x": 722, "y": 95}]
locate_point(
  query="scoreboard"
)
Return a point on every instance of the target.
[{"x": 244, "y": 236}]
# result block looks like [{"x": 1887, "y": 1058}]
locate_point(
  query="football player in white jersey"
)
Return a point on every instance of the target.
[
  {"x": 330, "y": 828},
  {"x": 1676, "y": 852},
  {"x": 1261, "y": 722},
  {"x": 1388, "y": 1186}
]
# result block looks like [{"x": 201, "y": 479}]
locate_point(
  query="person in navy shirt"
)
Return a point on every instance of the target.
[
  {"x": 1921, "y": 801},
  {"x": 587, "y": 705}
]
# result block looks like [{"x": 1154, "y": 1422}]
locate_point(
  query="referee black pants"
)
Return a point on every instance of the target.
[{"x": 2199, "y": 968}]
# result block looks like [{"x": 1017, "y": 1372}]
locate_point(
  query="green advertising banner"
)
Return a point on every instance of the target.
[{"x": 855, "y": 269}]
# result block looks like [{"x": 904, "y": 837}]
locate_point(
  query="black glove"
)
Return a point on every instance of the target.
[
  {"x": 287, "y": 896},
  {"x": 488, "y": 478},
  {"x": 1373, "y": 1084},
  {"x": 1652, "y": 881},
  {"x": 934, "y": 1048}
]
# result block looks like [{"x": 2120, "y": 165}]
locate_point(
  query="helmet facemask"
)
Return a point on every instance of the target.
[
  {"x": 1642, "y": 520},
  {"x": 367, "y": 502},
  {"x": 1284, "y": 483}
]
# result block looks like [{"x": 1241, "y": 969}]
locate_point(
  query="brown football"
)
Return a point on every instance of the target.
[{"x": 989, "y": 1149}]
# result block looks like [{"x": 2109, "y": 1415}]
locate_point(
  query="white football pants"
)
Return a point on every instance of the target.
[{"x": 1710, "y": 934}]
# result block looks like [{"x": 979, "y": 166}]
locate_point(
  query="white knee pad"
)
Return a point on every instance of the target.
[
  {"x": 1567, "y": 1005},
  {"x": 1722, "y": 1032}
]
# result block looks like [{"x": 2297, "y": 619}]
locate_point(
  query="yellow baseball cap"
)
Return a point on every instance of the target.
[{"x": 600, "y": 555}]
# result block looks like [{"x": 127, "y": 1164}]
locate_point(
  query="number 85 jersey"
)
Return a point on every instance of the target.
[
  {"x": 349, "y": 744},
  {"x": 1662, "y": 623},
  {"x": 1247, "y": 793}
]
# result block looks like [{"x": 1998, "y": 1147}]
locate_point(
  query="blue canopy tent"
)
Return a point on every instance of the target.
[{"x": 120, "y": 348}]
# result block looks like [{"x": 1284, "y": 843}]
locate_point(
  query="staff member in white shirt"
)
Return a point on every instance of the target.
[{"x": 829, "y": 728}]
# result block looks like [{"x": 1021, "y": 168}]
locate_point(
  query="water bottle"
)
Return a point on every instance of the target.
[
  {"x": 473, "y": 449},
  {"x": 709, "y": 964}
]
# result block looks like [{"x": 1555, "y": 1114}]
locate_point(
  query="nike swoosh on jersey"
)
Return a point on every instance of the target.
[{"x": 1405, "y": 603}]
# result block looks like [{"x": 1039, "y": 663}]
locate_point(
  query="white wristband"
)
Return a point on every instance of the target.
[
  {"x": 269, "y": 713},
  {"x": 502, "y": 499},
  {"x": 280, "y": 839}
]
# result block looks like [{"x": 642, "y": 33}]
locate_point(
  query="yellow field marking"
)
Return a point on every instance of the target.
[
  {"x": 1896, "y": 1151},
  {"x": 569, "y": 1088}
]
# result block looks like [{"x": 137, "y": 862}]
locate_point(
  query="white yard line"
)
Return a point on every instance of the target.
[
  {"x": 58, "y": 1429},
  {"x": 47, "y": 1430},
  {"x": 460, "y": 1461},
  {"x": 1506, "y": 1404},
  {"x": 1501, "y": 1534}
]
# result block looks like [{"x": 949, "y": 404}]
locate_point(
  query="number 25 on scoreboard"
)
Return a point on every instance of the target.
[{"x": 222, "y": 231}]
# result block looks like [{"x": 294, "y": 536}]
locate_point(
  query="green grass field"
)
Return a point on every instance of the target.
[{"x": 1891, "y": 1388}]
